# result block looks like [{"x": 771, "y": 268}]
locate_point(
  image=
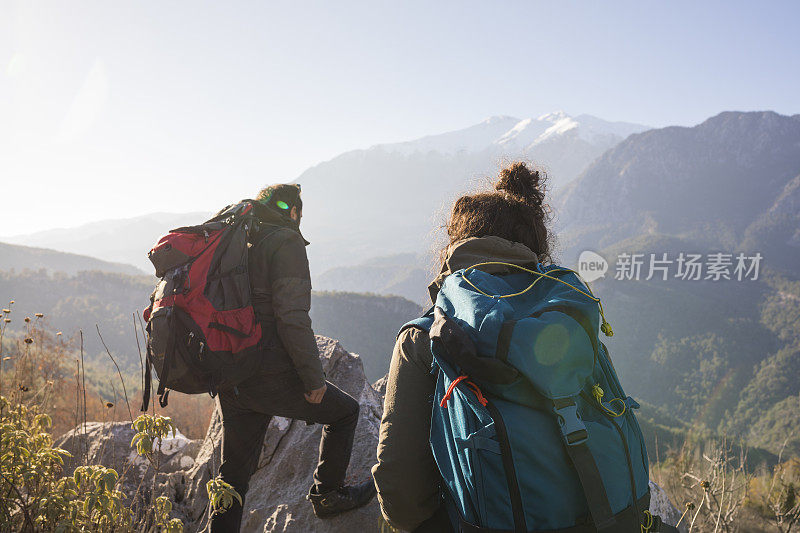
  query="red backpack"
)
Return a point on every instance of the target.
[{"x": 202, "y": 331}]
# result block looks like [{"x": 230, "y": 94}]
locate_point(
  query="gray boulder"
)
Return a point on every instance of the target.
[
  {"x": 661, "y": 506},
  {"x": 380, "y": 385},
  {"x": 276, "y": 497},
  {"x": 109, "y": 444}
]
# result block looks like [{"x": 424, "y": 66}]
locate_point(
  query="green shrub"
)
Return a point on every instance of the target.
[{"x": 37, "y": 497}]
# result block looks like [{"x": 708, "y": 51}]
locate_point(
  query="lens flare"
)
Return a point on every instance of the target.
[{"x": 551, "y": 344}]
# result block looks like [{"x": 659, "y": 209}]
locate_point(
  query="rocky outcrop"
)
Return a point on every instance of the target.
[
  {"x": 380, "y": 385},
  {"x": 108, "y": 444},
  {"x": 661, "y": 506},
  {"x": 276, "y": 498}
]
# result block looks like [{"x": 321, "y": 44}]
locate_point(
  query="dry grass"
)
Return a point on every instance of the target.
[
  {"x": 45, "y": 368},
  {"x": 715, "y": 490}
]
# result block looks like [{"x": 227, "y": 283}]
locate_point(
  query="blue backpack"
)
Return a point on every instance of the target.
[{"x": 530, "y": 428}]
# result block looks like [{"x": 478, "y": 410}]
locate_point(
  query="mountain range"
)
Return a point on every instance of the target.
[
  {"x": 730, "y": 182},
  {"x": 15, "y": 257},
  {"x": 391, "y": 198},
  {"x": 382, "y": 200},
  {"x": 124, "y": 240},
  {"x": 537, "y": 138},
  {"x": 407, "y": 275}
]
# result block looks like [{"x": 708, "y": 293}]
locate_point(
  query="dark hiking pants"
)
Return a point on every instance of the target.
[{"x": 246, "y": 413}]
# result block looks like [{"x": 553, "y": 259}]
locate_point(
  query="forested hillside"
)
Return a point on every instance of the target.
[
  {"x": 365, "y": 323},
  {"x": 716, "y": 355},
  {"x": 406, "y": 275}
]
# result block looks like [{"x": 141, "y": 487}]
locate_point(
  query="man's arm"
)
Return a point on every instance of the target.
[
  {"x": 291, "y": 301},
  {"x": 406, "y": 474}
]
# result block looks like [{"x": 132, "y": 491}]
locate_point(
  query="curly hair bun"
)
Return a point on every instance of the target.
[
  {"x": 523, "y": 184},
  {"x": 514, "y": 210}
]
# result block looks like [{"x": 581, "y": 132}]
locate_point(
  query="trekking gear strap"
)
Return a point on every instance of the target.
[
  {"x": 504, "y": 340},
  {"x": 626, "y": 521},
  {"x": 456, "y": 348},
  {"x": 264, "y": 237},
  {"x": 514, "y": 494},
  {"x": 654, "y": 524},
  {"x": 227, "y": 329},
  {"x": 163, "y": 393},
  {"x": 575, "y": 438},
  {"x": 163, "y": 399},
  {"x": 148, "y": 378}
]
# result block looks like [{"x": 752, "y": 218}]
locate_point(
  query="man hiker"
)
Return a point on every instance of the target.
[{"x": 290, "y": 382}]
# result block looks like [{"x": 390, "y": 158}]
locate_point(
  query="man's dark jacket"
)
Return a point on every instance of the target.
[{"x": 281, "y": 291}]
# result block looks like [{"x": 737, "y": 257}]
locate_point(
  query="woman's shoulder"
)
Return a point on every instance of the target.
[{"x": 414, "y": 345}]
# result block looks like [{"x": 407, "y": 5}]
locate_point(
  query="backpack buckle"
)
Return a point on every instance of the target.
[{"x": 572, "y": 427}]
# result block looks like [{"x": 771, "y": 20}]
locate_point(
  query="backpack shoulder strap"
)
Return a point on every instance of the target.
[
  {"x": 575, "y": 437},
  {"x": 265, "y": 231},
  {"x": 230, "y": 210}
]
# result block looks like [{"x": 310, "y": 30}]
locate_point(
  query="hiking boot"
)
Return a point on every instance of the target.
[{"x": 334, "y": 502}]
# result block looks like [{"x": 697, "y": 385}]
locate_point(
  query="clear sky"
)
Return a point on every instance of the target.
[{"x": 111, "y": 109}]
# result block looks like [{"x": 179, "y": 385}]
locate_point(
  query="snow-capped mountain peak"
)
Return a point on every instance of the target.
[
  {"x": 559, "y": 127},
  {"x": 499, "y": 119},
  {"x": 511, "y": 136},
  {"x": 520, "y": 129},
  {"x": 555, "y": 116}
]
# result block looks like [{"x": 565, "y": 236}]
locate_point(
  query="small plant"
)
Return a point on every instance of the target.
[
  {"x": 776, "y": 496},
  {"x": 717, "y": 486},
  {"x": 150, "y": 431},
  {"x": 38, "y": 498},
  {"x": 163, "y": 521},
  {"x": 221, "y": 495},
  {"x": 99, "y": 502}
]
